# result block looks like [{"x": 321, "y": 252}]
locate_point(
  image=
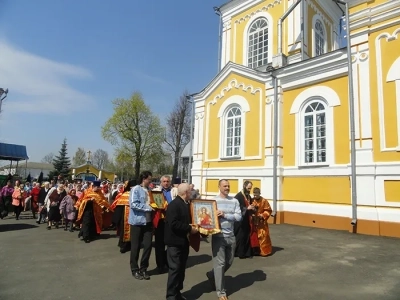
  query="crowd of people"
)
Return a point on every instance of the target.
[{"x": 90, "y": 207}]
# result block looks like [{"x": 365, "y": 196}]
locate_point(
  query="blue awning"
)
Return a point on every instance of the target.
[{"x": 13, "y": 152}]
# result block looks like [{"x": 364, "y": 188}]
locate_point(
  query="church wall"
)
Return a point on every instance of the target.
[
  {"x": 240, "y": 25},
  {"x": 314, "y": 196},
  {"x": 385, "y": 93},
  {"x": 248, "y": 93}
]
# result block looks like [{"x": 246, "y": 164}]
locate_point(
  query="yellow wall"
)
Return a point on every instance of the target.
[
  {"x": 275, "y": 12},
  {"x": 252, "y": 125},
  {"x": 340, "y": 116},
  {"x": 212, "y": 185},
  {"x": 368, "y": 4},
  {"x": 256, "y": 183},
  {"x": 317, "y": 189},
  {"x": 392, "y": 188},
  {"x": 389, "y": 55},
  {"x": 311, "y": 13}
]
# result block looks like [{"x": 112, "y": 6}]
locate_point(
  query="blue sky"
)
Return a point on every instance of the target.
[{"x": 64, "y": 61}]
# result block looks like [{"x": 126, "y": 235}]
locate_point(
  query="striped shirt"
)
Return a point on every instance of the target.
[{"x": 232, "y": 213}]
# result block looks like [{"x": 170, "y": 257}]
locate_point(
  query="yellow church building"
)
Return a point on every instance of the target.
[{"x": 277, "y": 78}]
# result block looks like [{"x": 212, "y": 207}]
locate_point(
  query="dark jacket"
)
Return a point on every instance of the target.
[
  {"x": 42, "y": 195},
  {"x": 177, "y": 223}
]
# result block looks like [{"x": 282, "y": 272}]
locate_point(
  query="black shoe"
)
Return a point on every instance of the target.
[
  {"x": 48, "y": 227},
  {"x": 87, "y": 241},
  {"x": 38, "y": 222},
  {"x": 65, "y": 228},
  {"x": 137, "y": 275},
  {"x": 211, "y": 280},
  {"x": 145, "y": 275},
  {"x": 182, "y": 297}
]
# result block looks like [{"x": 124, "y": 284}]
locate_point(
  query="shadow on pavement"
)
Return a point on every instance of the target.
[
  {"x": 105, "y": 236},
  {"x": 241, "y": 281},
  {"x": 276, "y": 249},
  {"x": 233, "y": 284},
  {"x": 197, "y": 260},
  {"x": 13, "y": 227}
]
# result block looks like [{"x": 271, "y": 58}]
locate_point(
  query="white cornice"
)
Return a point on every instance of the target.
[
  {"x": 225, "y": 72},
  {"x": 320, "y": 68},
  {"x": 330, "y": 65},
  {"x": 235, "y": 6},
  {"x": 372, "y": 15},
  {"x": 239, "y": 6}
]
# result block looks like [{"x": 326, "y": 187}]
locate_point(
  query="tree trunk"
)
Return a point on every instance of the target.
[
  {"x": 176, "y": 165},
  {"x": 137, "y": 169}
]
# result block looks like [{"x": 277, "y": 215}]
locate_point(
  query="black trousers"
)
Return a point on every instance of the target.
[
  {"x": 141, "y": 234},
  {"x": 177, "y": 259},
  {"x": 4, "y": 206},
  {"x": 17, "y": 210},
  {"x": 161, "y": 253}
]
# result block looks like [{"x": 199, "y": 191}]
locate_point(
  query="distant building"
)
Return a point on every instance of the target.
[
  {"x": 89, "y": 172},
  {"x": 24, "y": 169}
]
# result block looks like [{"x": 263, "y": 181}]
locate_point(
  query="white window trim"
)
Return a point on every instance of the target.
[
  {"x": 270, "y": 21},
  {"x": 330, "y": 98},
  {"x": 314, "y": 20},
  {"x": 244, "y": 106},
  {"x": 394, "y": 76}
]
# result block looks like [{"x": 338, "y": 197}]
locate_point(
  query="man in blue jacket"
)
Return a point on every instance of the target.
[{"x": 141, "y": 227}]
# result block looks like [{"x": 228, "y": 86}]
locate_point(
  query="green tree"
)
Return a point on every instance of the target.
[
  {"x": 61, "y": 163},
  {"x": 134, "y": 129},
  {"x": 178, "y": 129},
  {"x": 79, "y": 157}
]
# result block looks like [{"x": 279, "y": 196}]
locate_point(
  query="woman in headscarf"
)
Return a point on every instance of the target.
[
  {"x": 243, "y": 228},
  {"x": 120, "y": 216},
  {"x": 68, "y": 210},
  {"x": 52, "y": 202}
]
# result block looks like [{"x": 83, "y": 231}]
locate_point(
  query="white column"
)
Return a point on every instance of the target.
[{"x": 362, "y": 98}]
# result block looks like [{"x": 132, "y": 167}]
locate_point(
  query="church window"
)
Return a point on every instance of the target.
[
  {"x": 257, "y": 50},
  {"x": 314, "y": 133},
  {"x": 319, "y": 38},
  {"x": 233, "y": 132}
]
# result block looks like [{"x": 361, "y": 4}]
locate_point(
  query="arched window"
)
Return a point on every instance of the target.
[
  {"x": 257, "y": 50},
  {"x": 319, "y": 38},
  {"x": 233, "y": 131},
  {"x": 314, "y": 133}
]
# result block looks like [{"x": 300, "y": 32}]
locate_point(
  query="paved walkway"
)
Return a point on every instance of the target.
[{"x": 309, "y": 264}]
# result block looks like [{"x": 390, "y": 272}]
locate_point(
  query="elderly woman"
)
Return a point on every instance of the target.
[
  {"x": 68, "y": 210},
  {"x": 18, "y": 198},
  {"x": 52, "y": 202}
]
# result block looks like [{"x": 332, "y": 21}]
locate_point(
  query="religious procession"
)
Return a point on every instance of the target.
[{"x": 170, "y": 213}]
